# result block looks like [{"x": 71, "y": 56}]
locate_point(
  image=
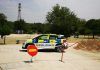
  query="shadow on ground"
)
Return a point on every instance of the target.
[
  {"x": 23, "y": 50},
  {"x": 2, "y": 44},
  {"x": 43, "y": 61},
  {"x": 28, "y": 61},
  {"x": 46, "y": 50},
  {"x": 42, "y": 50}
]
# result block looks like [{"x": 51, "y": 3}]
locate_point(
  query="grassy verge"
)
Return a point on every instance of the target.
[
  {"x": 11, "y": 39},
  {"x": 82, "y": 38}
]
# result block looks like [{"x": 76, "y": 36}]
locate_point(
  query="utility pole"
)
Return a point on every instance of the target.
[
  {"x": 19, "y": 12},
  {"x": 19, "y": 19}
]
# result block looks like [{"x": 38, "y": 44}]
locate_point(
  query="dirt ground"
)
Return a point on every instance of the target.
[{"x": 12, "y": 57}]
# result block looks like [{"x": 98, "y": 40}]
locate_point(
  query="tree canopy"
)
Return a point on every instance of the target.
[
  {"x": 4, "y": 27},
  {"x": 62, "y": 20}
]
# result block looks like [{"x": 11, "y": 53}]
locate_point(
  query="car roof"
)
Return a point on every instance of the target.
[{"x": 49, "y": 34}]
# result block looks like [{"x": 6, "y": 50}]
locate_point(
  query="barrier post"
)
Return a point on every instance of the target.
[{"x": 32, "y": 51}]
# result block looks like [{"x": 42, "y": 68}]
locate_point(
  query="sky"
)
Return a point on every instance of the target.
[{"x": 34, "y": 11}]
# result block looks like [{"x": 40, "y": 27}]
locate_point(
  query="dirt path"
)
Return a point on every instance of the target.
[{"x": 12, "y": 59}]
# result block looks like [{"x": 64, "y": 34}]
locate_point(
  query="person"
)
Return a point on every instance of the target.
[{"x": 64, "y": 46}]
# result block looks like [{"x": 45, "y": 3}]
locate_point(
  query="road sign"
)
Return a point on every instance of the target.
[{"x": 32, "y": 50}]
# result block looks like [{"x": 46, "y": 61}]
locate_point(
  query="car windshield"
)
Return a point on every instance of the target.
[{"x": 43, "y": 37}]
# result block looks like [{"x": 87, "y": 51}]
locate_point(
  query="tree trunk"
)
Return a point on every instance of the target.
[
  {"x": 93, "y": 36},
  {"x": 88, "y": 36},
  {"x": 4, "y": 39},
  {"x": 1, "y": 36}
]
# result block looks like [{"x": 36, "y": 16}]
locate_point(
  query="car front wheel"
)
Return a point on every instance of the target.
[{"x": 27, "y": 45}]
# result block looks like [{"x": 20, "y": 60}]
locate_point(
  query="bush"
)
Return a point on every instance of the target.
[{"x": 89, "y": 45}]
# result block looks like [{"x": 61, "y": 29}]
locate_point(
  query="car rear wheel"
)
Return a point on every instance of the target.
[{"x": 58, "y": 49}]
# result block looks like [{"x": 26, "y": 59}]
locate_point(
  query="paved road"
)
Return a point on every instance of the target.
[{"x": 13, "y": 59}]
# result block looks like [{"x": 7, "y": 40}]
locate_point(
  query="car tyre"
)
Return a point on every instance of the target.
[{"x": 58, "y": 49}]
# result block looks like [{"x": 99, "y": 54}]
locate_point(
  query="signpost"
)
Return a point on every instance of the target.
[{"x": 32, "y": 50}]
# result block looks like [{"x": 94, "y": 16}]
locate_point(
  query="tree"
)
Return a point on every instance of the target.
[
  {"x": 61, "y": 20},
  {"x": 81, "y": 26},
  {"x": 20, "y": 26},
  {"x": 38, "y": 27},
  {"x": 46, "y": 28},
  {"x": 4, "y": 27},
  {"x": 98, "y": 27},
  {"x": 94, "y": 26}
]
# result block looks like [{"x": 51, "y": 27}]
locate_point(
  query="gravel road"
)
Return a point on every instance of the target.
[{"x": 13, "y": 58}]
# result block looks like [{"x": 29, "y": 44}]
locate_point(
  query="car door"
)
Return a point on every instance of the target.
[
  {"x": 43, "y": 41},
  {"x": 53, "y": 40}
]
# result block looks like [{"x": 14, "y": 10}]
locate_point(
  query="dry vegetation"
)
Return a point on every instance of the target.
[
  {"x": 11, "y": 39},
  {"x": 89, "y": 45},
  {"x": 81, "y": 38}
]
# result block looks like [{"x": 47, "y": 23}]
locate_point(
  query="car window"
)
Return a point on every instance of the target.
[
  {"x": 53, "y": 37},
  {"x": 43, "y": 37}
]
